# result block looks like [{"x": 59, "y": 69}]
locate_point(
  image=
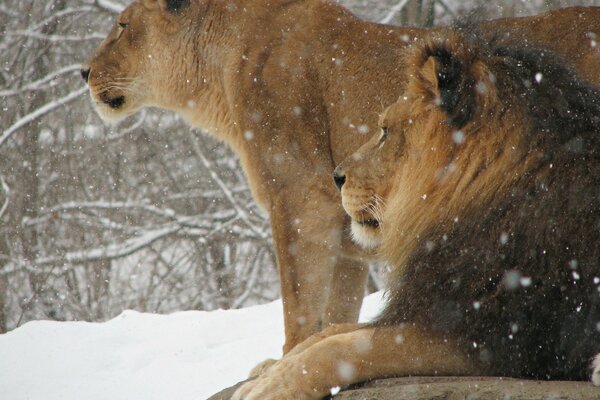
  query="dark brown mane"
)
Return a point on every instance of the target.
[
  {"x": 515, "y": 280},
  {"x": 557, "y": 99}
]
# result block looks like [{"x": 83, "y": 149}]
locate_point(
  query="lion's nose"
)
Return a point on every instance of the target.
[
  {"x": 85, "y": 74},
  {"x": 339, "y": 178}
]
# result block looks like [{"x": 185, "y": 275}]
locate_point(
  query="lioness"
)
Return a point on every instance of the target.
[
  {"x": 482, "y": 191},
  {"x": 293, "y": 87}
]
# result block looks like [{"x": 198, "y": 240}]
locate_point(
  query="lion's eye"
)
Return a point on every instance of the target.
[{"x": 384, "y": 135}]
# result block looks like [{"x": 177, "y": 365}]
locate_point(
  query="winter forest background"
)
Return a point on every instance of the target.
[{"x": 149, "y": 215}]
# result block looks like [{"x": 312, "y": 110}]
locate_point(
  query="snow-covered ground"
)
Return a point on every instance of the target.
[{"x": 136, "y": 356}]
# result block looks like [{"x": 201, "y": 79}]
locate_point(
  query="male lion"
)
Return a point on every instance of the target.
[
  {"x": 482, "y": 191},
  {"x": 292, "y": 87}
]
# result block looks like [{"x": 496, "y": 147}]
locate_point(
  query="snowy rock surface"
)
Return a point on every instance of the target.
[{"x": 459, "y": 388}]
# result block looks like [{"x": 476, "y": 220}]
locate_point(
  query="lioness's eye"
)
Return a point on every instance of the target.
[{"x": 122, "y": 26}]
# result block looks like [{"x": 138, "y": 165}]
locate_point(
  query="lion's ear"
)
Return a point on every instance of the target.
[
  {"x": 173, "y": 6},
  {"x": 447, "y": 78}
]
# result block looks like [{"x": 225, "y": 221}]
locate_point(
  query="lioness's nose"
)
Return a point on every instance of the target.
[
  {"x": 339, "y": 178},
  {"x": 85, "y": 74}
]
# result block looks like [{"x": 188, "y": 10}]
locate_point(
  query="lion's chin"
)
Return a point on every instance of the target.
[{"x": 367, "y": 236}]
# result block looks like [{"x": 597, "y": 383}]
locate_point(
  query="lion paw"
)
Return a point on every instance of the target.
[
  {"x": 267, "y": 389},
  {"x": 280, "y": 381},
  {"x": 261, "y": 367}
]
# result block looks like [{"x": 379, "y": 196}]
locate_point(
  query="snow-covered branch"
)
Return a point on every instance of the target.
[
  {"x": 8, "y": 12},
  {"x": 6, "y": 191},
  {"x": 250, "y": 282},
  {"x": 393, "y": 11},
  {"x": 64, "y": 13},
  {"x": 39, "y": 84},
  {"x": 57, "y": 38},
  {"x": 241, "y": 212},
  {"x": 446, "y": 7},
  {"x": 113, "y": 251},
  {"x": 107, "y": 5},
  {"x": 39, "y": 113},
  {"x": 145, "y": 206}
]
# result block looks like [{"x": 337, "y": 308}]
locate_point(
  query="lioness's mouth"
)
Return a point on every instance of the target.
[
  {"x": 116, "y": 102},
  {"x": 373, "y": 223}
]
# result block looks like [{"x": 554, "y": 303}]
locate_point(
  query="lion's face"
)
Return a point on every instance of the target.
[
  {"x": 134, "y": 66},
  {"x": 367, "y": 176},
  {"x": 384, "y": 165},
  {"x": 431, "y": 145}
]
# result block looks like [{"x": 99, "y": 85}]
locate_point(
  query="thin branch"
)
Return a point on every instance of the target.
[
  {"x": 113, "y": 251},
  {"x": 8, "y": 12},
  {"x": 29, "y": 301},
  {"x": 57, "y": 38},
  {"x": 393, "y": 11},
  {"x": 36, "y": 85},
  {"x": 61, "y": 14},
  {"x": 239, "y": 302},
  {"x": 107, "y": 5},
  {"x": 445, "y": 7},
  {"x": 240, "y": 211},
  {"x": 6, "y": 191},
  {"x": 39, "y": 113},
  {"x": 184, "y": 221}
]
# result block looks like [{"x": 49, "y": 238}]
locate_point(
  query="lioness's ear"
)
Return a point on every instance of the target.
[
  {"x": 447, "y": 77},
  {"x": 173, "y": 5}
]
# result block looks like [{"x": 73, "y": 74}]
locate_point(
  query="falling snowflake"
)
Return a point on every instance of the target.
[
  {"x": 458, "y": 137},
  {"x": 346, "y": 371},
  {"x": 363, "y": 129}
]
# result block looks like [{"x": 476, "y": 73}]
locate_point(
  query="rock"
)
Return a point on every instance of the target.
[
  {"x": 460, "y": 388},
  {"x": 227, "y": 393}
]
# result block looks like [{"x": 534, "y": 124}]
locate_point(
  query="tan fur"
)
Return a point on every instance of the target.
[
  {"x": 340, "y": 359},
  {"x": 434, "y": 169},
  {"x": 420, "y": 177},
  {"x": 305, "y": 81}
]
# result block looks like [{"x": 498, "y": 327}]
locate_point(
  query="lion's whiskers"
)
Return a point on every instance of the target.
[{"x": 375, "y": 207}]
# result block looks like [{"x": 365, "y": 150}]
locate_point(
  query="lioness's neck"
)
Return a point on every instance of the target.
[
  {"x": 215, "y": 42},
  {"x": 192, "y": 85}
]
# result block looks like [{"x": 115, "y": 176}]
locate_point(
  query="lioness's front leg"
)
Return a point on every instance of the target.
[
  {"x": 353, "y": 357},
  {"x": 347, "y": 290},
  {"x": 307, "y": 231}
]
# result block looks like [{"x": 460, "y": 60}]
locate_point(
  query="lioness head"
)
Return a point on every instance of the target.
[
  {"x": 470, "y": 123},
  {"x": 148, "y": 59}
]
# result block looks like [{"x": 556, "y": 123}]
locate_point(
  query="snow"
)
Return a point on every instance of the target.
[{"x": 185, "y": 355}]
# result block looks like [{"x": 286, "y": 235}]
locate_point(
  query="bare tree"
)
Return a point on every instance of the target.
[{"x": 96, "y": 219}]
